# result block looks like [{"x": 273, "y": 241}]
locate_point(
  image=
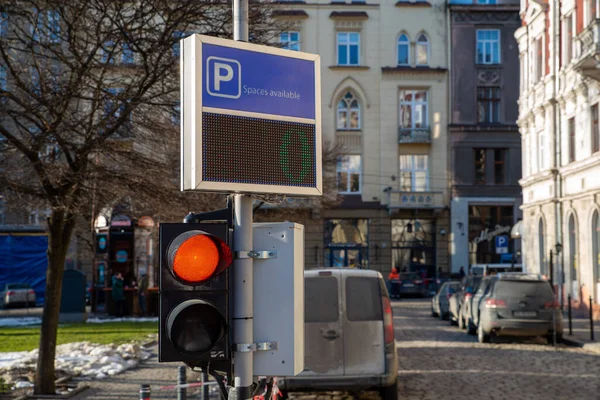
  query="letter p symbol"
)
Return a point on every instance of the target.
[{"x": 223, "y": 77}]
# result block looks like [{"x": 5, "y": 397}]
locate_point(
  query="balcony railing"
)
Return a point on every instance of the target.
[
  {"x": 414, "y": 135},
  {"x": 589, "y": 50}
]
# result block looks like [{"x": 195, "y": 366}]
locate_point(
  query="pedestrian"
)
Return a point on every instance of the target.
[
  {"x": 461, "y": 273},
  {"x": 394, "y": 280},
  {"x": 142, "y": 291},
  {"x": 117, "y": 295}
]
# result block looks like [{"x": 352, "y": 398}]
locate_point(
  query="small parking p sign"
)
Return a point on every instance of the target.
[
  {"x": 224, "y": 77},
  {"x": 501, "y": 244}
]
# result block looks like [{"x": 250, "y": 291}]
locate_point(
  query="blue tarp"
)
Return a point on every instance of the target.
[{"x": 23, "y": 259}]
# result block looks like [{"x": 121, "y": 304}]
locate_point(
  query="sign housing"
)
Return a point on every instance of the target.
[{"x": 251, "y": 118}]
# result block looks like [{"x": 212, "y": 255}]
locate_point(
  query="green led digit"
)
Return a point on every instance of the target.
[{"x": 285, "y": 156}]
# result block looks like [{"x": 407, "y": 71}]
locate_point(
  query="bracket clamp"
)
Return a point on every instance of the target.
[
  {"x": 257, "y": 255},
  {"x": 261, "y": 346}
]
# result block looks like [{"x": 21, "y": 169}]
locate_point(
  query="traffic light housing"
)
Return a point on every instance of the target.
[{"x": 193, "y": 291}]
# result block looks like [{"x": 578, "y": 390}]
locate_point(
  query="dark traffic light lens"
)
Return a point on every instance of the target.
[{"x": 195, "y": 326}]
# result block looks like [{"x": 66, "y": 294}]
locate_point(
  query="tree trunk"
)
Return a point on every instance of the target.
[{"x": 60, "y": 229}]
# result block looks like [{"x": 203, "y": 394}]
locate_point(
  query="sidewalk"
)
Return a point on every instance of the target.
[
  {"x": 581, "y": 334},
  {"x": 126, "y": 385}
]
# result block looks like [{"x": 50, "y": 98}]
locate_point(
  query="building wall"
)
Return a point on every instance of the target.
[
  {"x": 557, "y": 187},
  {"x": 468, "y": 133},
  {"x": 376, "y": 82}
]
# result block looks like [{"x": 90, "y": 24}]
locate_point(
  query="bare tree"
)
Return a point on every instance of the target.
[{"x": 87, "y": 89}]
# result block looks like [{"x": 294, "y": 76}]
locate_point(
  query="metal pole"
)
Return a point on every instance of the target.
[
  {"x": 181, "y": 380},
  {"x": 242, "y": 299},
  {"x": 204, "y": 380},
  {"x": 570, "y": 316},
  {"x": 552, "y": 272},
  {"x": 240, "y": 20},
  {"x": 145, "y": 392},
  {"x": 591, "y": 321}
]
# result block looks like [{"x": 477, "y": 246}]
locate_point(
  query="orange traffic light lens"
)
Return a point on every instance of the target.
[{"x": 196, "y": 259}]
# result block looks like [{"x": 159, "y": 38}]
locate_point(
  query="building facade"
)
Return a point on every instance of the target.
[
  {"x": 484, "y": 138},
  {"x": 558, "y": 119},
  {"x": 385, "y": 101}
]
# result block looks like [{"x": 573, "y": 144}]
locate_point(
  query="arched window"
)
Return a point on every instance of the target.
[
  {"x": 348, "y": 113},
  {"x": 422, "y": 50},
  {"x": 403, "y": 50},
  {"x": 572, "y": 252},
  {"x": 543, "y": 266}
]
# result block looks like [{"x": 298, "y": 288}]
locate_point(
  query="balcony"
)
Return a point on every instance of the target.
[
  {"x": 414, "y": 135},
  {"x": 402, "y": 199},
  {"x": 589, "y": 49}
]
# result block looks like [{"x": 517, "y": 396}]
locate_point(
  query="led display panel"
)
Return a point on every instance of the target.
[{"x": 258, "y": 151}]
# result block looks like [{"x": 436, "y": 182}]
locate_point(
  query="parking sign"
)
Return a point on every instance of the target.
[
  {"x": 251, "y": 118},
  {"x": 501, "y": 244}
]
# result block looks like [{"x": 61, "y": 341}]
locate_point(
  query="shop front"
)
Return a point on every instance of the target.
[{"x": 414, "y": 245}]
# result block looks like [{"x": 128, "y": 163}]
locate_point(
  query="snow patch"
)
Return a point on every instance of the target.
[
  {"x": 20, "y": 321},
  {"x": 84, "y": 359}
]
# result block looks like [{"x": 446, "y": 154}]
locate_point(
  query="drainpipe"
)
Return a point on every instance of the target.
[
  {"x": 449, "y": 176},
  {"x": 557, "y": 146}
]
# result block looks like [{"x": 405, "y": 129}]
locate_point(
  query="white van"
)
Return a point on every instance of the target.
[{"x": 349, "y": 335}]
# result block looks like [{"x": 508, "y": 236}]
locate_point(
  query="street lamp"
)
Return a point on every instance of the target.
[{"x": 557, "y": 250}]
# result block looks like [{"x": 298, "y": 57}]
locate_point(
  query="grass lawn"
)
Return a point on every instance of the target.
[{"x": 28, "y": 338}]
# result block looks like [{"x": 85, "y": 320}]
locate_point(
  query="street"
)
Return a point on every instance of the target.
[{"x": 439, "y": 361}]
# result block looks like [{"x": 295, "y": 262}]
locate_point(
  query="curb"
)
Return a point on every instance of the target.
[{"x": 572, "y": 342}]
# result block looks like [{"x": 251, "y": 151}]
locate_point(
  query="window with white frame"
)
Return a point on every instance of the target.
[
  {"x": 488, "y": 46},
  {"x": 413, "y": 109},
  {"x": 348, "y": 48},
  {"x": 422, "y": 52},
  {"x": 290, "y": 40},
  {"x": 542, "y": 156},
  {"x": 414, "y": 174},
  {"x": 348, "y": 112},
  {"x": 349, "y": 174},
  {"x": 403, "y": 50},
  {"x": 47, "y": 27},
  {"x": 538, "y": 58},
  {"x": 568, "y": 27}
]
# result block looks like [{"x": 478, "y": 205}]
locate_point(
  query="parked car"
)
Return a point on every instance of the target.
[
  {"x": 440, "y": 302},
  {"x": 469, "y": 312},
  {"x": 411, "y": 284},
  {"x": 349, "y": 335},
  {"x": 17, "y": 294},
  {"x": 468, "y": 286},
  {"x": 519, "y": 304}
]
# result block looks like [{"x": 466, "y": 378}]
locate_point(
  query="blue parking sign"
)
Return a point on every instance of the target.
[{"x": 501, "y": 244}]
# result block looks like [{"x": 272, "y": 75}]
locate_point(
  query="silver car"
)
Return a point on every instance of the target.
[
  {"x": 518, "y": 304},
  {"x": 440, "y": 303},
  {"x": 17, "y": 294},
  {"x": 349, "y": 335}
]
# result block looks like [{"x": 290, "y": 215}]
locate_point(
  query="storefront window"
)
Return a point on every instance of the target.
[
  {"x": 485, "y": 223},
  {"x": 413, "y": 245},
  {"x": 347, "y": 243}
]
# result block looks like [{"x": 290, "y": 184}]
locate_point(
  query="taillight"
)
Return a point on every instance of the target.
[
  {"x": 468, "y": 295},
  {"x": 552, "y": 304},
  {"x": 388, "y": 321},
  {"x": 31, "y": 292},
  {"x": 495, "y": 303},
  {"x": 10, "y": 293}
]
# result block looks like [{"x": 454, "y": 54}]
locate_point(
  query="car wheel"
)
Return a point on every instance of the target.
[
  {"x": 389, "y": 392},
  {"x": 482, "y": 337},
  {"x": 471, "y": 328}
]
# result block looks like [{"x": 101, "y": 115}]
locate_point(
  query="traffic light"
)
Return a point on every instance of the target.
[{"x": 194, "y": 289}]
